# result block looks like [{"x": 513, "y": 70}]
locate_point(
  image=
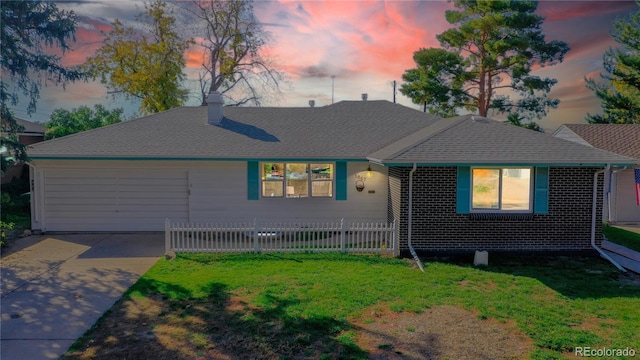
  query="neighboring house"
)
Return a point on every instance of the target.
[
  {"x": 31, "y": 134},
  {"x": 459, "y": 184},
  {"x": 620, "y": 204}
]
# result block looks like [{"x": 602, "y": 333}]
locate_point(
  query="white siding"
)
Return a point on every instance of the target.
[
  {"x": 624, "y": 208},
  {"x": 139, "y": 195},
  {"x": 219, "y": 192},
  {"x": 118, "y": 199}
]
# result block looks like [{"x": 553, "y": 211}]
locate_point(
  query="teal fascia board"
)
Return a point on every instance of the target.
[
  {"x": 195, "y": 159},
  {"x": 387, "y": 164}
]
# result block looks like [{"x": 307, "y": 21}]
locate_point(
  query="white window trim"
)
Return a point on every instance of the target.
[
  {"x": 494, "y": 211},
  {"x": 309, "y": 180}
]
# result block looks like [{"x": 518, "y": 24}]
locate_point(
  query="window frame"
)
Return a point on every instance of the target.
[
  {"x": 500, "y": 210},
  {"x": 309, "y": 179}
]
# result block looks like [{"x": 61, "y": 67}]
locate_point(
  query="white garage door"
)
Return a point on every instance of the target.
[{"x": 113, "y": 199}]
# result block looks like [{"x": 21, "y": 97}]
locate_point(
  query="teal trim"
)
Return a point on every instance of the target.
[
  {"x": 463, "y": 190},
  {"x": 541, "y": 191},
  {"x": 501, "y": 165},
  {"x": 253, "y": 180},
  {"x": 308, "y": 160},
  {"x": 341, "y": 180}
]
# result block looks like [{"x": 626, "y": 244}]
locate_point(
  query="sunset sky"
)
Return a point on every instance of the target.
[{"x": 365, "y": 44}]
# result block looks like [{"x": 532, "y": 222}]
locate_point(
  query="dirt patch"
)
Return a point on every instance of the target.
[
  {"x": 233, "y": 328},
  {"x": 443, "y": 332}
]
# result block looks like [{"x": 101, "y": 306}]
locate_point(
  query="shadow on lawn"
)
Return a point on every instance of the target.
[
  {"x": 572, "y": 276},
  {"x": 218, "y": 326}
]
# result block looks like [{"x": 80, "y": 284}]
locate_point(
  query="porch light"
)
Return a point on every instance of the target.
[{"x": 369, "y": 173}]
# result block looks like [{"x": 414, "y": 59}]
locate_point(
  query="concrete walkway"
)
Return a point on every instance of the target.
[
  {"x": 629, "y": 227},
  {"x": 54, "y": 288},
  {"x": 627, "y": 258}
]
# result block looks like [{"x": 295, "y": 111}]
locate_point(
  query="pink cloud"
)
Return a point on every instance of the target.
[
  {"x": 89, "y": 37},
  {"x": 319, "y": 38}
]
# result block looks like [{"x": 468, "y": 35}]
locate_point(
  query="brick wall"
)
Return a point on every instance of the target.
[{"x": 437, "y": 227}]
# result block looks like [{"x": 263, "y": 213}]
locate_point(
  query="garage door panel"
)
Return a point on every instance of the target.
[
  {"x": 79, "y": 194},
  {"x": 80, "y": 181},
  {"x": 161, "y": 215},
  {"x": 114, "y": 199},
  {"x": 150, "y": 200},
  {"x": 65, "y": 200},
  {"x": 90, "y": 208},
  {"x": 143, "y": 209},
  {"x": 152, "y": 188},
  {"x": 70, "y": 174},
  {"x": 150, "y": 181},
  {"x": 82, "y": 187},
  {"x": 73, "y": 215}
]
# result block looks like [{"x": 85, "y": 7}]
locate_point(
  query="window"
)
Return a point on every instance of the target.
[
  {"x": 297, "y": 180},
  {"x": 501, "y": 189}
]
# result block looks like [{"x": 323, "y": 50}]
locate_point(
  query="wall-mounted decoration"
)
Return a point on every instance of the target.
[{"x": 360, "y": 180}]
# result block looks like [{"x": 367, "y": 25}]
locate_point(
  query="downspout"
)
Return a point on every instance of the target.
[
  {"x": 32, "y": 197},
  {"x": 593, "y": 222},
  {"x": 410, "y": 219}
]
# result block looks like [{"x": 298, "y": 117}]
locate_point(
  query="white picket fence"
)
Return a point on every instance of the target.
[{"x": 295, "y": 236}]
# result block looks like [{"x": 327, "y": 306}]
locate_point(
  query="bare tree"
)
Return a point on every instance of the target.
[{"x": 231, "y": 38}]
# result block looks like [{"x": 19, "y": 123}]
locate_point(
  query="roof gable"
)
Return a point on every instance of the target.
[
  {"x": 623, "y": 139},
  {"x": 476, "y": 140}
]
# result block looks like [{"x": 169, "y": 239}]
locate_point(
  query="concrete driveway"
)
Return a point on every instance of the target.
[{"x": 55, "y": 287}]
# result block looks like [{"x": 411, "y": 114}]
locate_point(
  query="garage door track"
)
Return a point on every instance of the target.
[{"x": 55, "y": 287}]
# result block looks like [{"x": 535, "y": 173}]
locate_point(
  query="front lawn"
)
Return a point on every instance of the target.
[{"x": 306, "y": 306}]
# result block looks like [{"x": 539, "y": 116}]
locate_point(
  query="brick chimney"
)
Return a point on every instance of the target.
[{"x": 214, "y": 108}]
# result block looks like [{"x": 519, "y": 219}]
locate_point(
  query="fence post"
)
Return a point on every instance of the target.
[
  {"x": 256, "y": 246},
  {"x": 343, "y": 245},
  {"x": 396, "y": 238},
  {"x": 167, "y": 236}
]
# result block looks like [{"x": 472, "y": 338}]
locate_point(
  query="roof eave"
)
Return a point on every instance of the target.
[{"x": 496, "y": 163}]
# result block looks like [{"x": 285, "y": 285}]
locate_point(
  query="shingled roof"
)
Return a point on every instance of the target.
[
  {"x": 30, "y": 127},
  {"x": 345, "y": 130},
  {"x": 380, "y": 131},
  {"x": 471, "y": 139},
  {"x": 623, "y": 139}
]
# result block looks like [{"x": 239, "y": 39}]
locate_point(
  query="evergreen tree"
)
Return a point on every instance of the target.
[
  {"x": 485, "y": 59},
  {"x": 27, "y": 30},
  {"x": 620, "y": 97}
]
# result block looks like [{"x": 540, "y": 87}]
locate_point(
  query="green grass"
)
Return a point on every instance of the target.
[
  {"x": 622, "y": 237},
  {"x": 560, "y": 303}
]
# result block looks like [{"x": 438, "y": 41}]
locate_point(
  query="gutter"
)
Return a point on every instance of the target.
[
  {"x": 410, "y": 219},
  {"x": 593, "y": 221}
]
